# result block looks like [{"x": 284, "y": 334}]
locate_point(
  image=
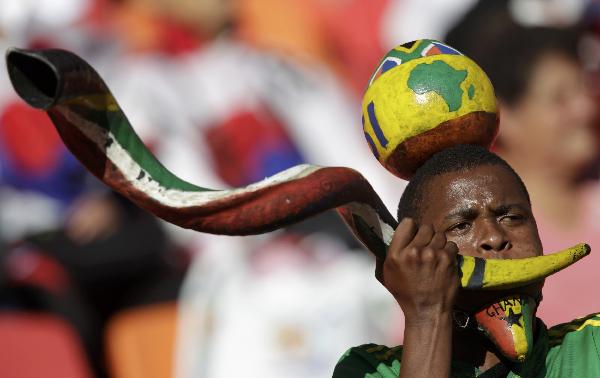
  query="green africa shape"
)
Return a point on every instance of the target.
[{"x": 440, "y": 78}]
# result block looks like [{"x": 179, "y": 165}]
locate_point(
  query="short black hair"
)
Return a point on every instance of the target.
[{"x": 459, "y": 158}]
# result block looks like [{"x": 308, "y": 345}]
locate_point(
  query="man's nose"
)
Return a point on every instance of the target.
[{"x": 493, "y": 239}]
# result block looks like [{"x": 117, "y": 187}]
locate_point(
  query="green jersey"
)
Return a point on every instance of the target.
[{"x": 566, "y": 350}]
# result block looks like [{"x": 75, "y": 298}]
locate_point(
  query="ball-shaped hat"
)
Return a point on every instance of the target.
[{"x": 426, "y": 96}]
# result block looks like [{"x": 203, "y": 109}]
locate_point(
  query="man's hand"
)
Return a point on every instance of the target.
[{"x": 421, "y": 271}]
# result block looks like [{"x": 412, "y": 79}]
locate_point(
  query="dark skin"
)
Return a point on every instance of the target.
[{"x": 480, "y": 212}]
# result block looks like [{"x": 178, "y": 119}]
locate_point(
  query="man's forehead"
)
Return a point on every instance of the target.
[{"x": 480, "y": 186}]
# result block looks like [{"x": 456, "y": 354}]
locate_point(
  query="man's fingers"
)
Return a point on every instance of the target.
[
  {"x": 438, "y": 241},
  {"x": 404, "y": 234},
  {"x": 423, "y": 236}
]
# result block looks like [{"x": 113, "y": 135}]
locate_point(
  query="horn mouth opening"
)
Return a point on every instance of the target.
[{"x": 34, "y": 78}]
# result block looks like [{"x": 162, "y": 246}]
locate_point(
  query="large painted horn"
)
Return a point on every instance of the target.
[{"x": 96, "y": 131}]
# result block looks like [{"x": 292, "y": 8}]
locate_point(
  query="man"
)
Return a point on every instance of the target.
[{"x": 466, "y": 200}]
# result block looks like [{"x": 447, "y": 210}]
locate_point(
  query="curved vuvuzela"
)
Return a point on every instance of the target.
[
  {"x": 478, "y": 273},
  {"x": 96, "y": 131}
]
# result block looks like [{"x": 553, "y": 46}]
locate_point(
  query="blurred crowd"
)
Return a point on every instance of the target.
[{"x": 226, "y": 93}]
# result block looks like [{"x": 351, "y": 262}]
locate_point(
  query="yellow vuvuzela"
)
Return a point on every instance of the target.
[{"x": 479, "y": 273}]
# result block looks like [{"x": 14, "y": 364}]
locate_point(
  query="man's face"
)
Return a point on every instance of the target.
[{"x": 484, "y": 212}]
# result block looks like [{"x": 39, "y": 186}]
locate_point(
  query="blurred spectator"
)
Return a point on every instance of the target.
[
  {"x": 74, "y": 248},
  {"x": 547, "y": 133},
  {"x": 113, "y": 254}
]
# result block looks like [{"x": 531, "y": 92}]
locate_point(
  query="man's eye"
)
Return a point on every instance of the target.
[
  {"x": 512, "y": 218},
  {"x": 460, "y": 227}
]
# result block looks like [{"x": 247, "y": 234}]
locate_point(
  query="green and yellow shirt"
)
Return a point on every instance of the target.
[{"x": 566, "y": 350}]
